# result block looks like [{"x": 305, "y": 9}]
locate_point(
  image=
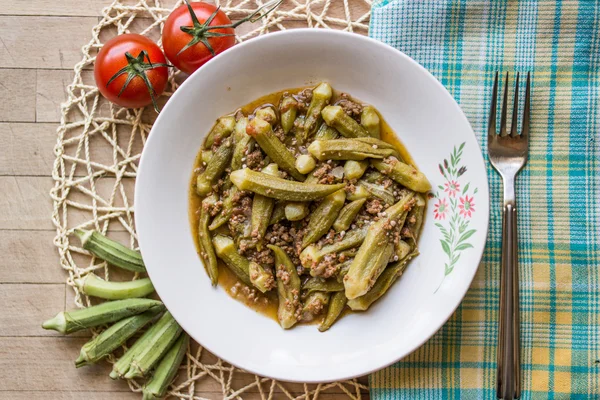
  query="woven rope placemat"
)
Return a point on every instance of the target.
[{"x": 97, "y": 153}]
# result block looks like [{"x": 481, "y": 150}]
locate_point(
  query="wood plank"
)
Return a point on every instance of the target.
[
  {"x": 25, "y": 203},
  {"x": 17, "y": 91},
  {"x": 26, "y": 306},
  {"x": 90, "y": 8},
  {"x": 62, "y": 395},
  {"x": 50, "y": 93},
  {"x": 27, "y": 148},
  {"x": 21, "y": 46}
]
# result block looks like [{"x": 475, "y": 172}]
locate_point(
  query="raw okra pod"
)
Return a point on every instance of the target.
[
  {"x": 288, "y": 110},
  {"x": 262, "y": 132},
  {"x": 323, "y": 217},
  {"x": 288, "y": 288},
  {"x": 113, "y": 337},
  {"x": 347, "y": 215},
  {"x": 321, "y": 96},
  {"x": 335, "y": 117},
  {"x": 215, "y": 168},
  {"x": 207, "y": 250},
  {"x": 92, "y": 285},
  {"x": 346, "y": 149},
  {"x": 105, "y": 313},
  {"x": 369, "y": 119},
  {"x": 226, "y": 251},
  {"x": 404, "y": 174},
  {"x": 166, "y": 370},
  {"x": 222, "y": 129},
  {"x": 281, "y": 189},
  {"x": 336, "y": 306},
  {"x": 110, "y": 251}
]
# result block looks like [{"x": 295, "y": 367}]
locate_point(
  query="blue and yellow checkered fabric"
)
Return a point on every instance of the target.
[{"x": 463, "y": 43}]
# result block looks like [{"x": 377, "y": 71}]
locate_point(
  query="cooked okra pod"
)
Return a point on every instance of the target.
[
  {"x": 364, "y": 270},
  {"x": 360, "y": 192},
  {"x": 206, "y": 156},
  {"x": 215, "y": 168},
  {"x": 267, "y": 114},
  {"x": 323, "y": 217},
  {"x": 385, "y": 280},
  {"x": 110, "y": 251},
  {"x": 336, "y": 306},
  {"x": 311, "y": 255},
  {"x": 261, "y": 278},
  {"x": 278, "y": 214},
  {"x": 222, "y": 129},
  {"x": 110, "y": 339},
  {"x": 166, "y": 370},
  {"x": 262, "y": 208},
  {"x": 404, "y": 174},
  {"x": 313, "y": 305},
  {"x": 335, "y": 117},
  {"x": 167, "y": 332},
  {"x": 346, "y": 149},
  {"x": 305, "y": 163},
  {"x": 288, "y": 110},
  {"x": 226, "y": 251},
  {"x": 92, "y": 285},
  {"x": 262, "y": 132},
  {"x": 347, "y": 215},
  {"x": 369, "y": 119},
  {"x": 401, "y": 250},
  {"x": 288, "y": 288},
  {"x": 326, "y": 132},
  {"x": 204, "y": 239},
  {"x": 242, "y": 144},
  {"x": 378, "y": 191},
  {"x": 226, "y": 211},
  {"x": 296, "y": 211},
  {"x": 105, "y": 313},
  {"x": 415, "y": 216},
  {"x": 355, "y": 169},
  {"x": 281, "y": 189},
  {"x": 321, "y": 285},
  {"x": 321, "y": 96}
]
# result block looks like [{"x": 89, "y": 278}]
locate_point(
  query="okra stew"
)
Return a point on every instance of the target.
[{"x": 304, "y": 205}]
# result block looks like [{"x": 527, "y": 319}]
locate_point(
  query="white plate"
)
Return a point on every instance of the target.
[{"x": 428, "y": 122}]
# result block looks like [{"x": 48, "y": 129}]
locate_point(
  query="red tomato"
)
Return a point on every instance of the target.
[
  {"x": 141, "y": 56},
  {"x": 181, "y": 30}
]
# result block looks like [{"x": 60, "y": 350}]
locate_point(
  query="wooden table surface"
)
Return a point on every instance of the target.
[{"x": 40, "y": 42}]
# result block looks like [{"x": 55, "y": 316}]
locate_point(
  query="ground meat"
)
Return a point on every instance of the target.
[
  {"x": 289, "y": 239},
  {"x": 374, "y": 206},
  {"x": 279, "y": 133},
  {"x": 327, "y": 268},
  {"x": 282, "y": 274},
  {"x": 263, "y": 257},
  {"x": 254, "y": 160},
  {"x": 304, "y": 98},
  {"x": 350, "y": 107},
  {"x": 216, "y": 208},
  {"x": 242, "y": 207},
  {"x": 350, "y": 188},
  {"x": 322, "y": 170},
  {"x": 328, "y": 239},
  {"x": 387, "y": 183}
]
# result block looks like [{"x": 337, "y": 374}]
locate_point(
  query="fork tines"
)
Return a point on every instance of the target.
[{"x": 513, "y": 128}]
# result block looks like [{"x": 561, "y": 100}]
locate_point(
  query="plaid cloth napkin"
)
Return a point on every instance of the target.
[{"x": 463, "y": 43}]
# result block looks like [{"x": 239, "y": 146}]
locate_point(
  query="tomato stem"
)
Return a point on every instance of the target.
[
  {"x": 201, "y": 32},
  {"x": 136, "y": 66}
]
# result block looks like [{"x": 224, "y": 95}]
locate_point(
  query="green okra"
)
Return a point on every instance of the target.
[
  {"x": 280, "y": 189},
  {"x": 113, "y": 337},
  {"x": 379, "y": 144},
  {"x": 321, "y": 96},
  {"x": 378, "y": 191},
  {"x": 326, "y": 132},
  {"x": 262, "y": 132},
  {"x": 336, "y": 306},
  {"x": 355, "y": 169},
  {"x": 267, "y": 114},
  {"x": 221, "y": 130},
  {"x": 401, "y": 250},
  {"x": 296, "y": 211},
  {"x": 346, "y": 149},
  {"x": 92, "y": 285},
  {"x": 215, "y": 168},
  {"x": 323, "y": 217},
  {"x": 305, "y": 163},
  {"x": 278, "y": 214},
  {"x": 288, "y": 109},
  {"x": 359, "y": 192},
  {"x": 415, "y": 216},
  {"x": 335, "y": 117},
  {"x": 105, "y": 313},
  {"x": 369, "y": 119},
  {"x": 314, "y": 304},
  {"x": 365, "y": 267},
  {"x": 347, "y": 215},
  {"x": 261, "y": 278},
  {"x": 226, "y": 251},
  {"x": 167, "y": 332},
  {"x": 226, "y": 211},
  {"x": 166, "y": 370},
  {"x": 207, "y": 250},
  {"x": 312, "y": 255},
  {"x": 206, "y": 156},
  {"x": 321, "y": 285},
  {"x": 383, "y": 283},
  {"x": 343, "y": 270},
  {"x": 110, "y": 251},
  {"x": 299, "y": 133},
  {"x": 404, "y": 174},
  {"x": 262, "y": 209},
  {"x": 243, "y": 143},
  {"x": 288, "y": 288}
]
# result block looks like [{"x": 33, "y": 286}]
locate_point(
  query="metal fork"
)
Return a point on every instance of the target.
[{"x": 508, "y": 155}]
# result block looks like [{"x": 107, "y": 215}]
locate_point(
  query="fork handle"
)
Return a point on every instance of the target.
[{"x": 509, "y": 368}]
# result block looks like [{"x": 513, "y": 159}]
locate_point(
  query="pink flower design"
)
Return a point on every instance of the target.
[
  {"x": 466, "y": 206},
  {"x": 440, "y": 209},
  {"x": 452, "y": 188}
]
